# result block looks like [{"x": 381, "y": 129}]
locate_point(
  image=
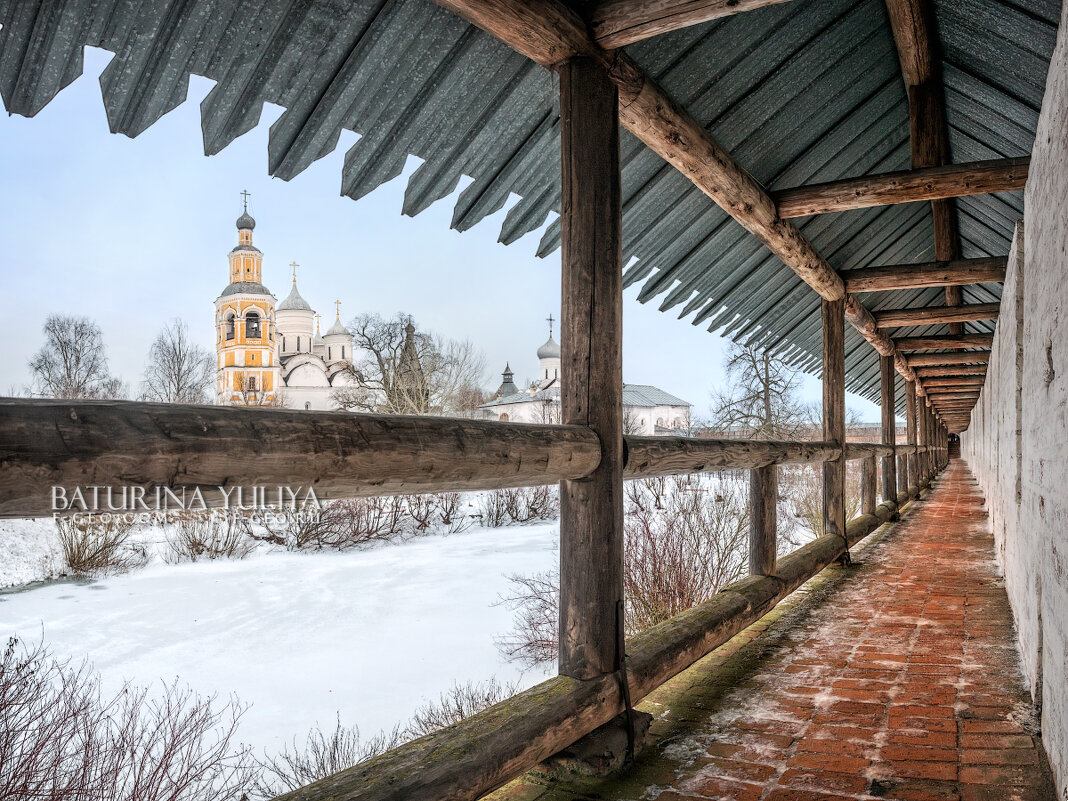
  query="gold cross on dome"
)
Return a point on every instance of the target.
[
  {"x": 294, "y": 265},
  {"x": 550, "y": 321},
  {"x": 245, "y": 194},
  {"x": 338, "y": 304}
]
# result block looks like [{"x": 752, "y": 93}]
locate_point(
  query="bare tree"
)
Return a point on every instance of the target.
[
  {"x": 253, "y": 395},
  {"x": 72, "y": 363},
  {"x": 178, "y": 370},
  {"x": 407, "y": 371},
  {"x": 761, "y": 400}
]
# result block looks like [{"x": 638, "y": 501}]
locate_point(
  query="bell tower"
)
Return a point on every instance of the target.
[{"x": 248, "y": 373}]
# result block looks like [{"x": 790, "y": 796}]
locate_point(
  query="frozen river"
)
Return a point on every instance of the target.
[{"x": 369, "y": 635}]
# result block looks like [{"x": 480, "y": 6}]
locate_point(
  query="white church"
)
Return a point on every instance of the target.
[
  {"x": 272, "y": 354},
  {"x": 647, "y": 410}
]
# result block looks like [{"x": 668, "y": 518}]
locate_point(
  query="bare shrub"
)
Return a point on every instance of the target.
[
  {"x": 421, "y": 509},
  {"x": 61, "y": 739},
  {"x": 502, "y": 507},
  {"x": 675, "y": 557},
  {"x": 206, "y": 535},
  {"x": 322, "y": 754},
  {"x": 98, "y": 544},
  {"x": 449, "y": 506},
  {"x": 458, "y": 702},
  {"x": 801, "y": 491},
  {"x": 342, "y": 524}
]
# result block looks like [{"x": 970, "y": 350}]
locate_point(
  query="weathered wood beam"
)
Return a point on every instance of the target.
[
  {"x": 672, "y": 456},
  {"x": 763, "y": 522},
  {"x": 910, "y": 438},
  {"x": 940, "y": 342},
  {"x": 951, "y": 370},
  {"x": 834, "y": 471},
  {"x": 46, "y": 443},
  {"x": 970, "y": 357},
  {"x": 868, "y": 472},
  {"x": 954, "y": 381},
  {"x": 591, "y": 508},
  {"x": 904, "y": 186},
  {"x": 549, "y": 32},
  {"x": 889, "y": 425},
  {"x": 927, "y": 274},
  {"x": 616, "y": 23},
  {"x": 935, "y": 315}
]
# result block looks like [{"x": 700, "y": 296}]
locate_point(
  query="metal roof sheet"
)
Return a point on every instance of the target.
[{"x": 799, "y": 92}]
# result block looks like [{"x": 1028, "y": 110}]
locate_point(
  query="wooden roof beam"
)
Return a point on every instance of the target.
[
  {"x": 960, "y": 357},
  {"x": 919, "y": 52},
  {"x": 905, "y": 186},
  {"x": 549, "y": 32},
  {"x": 943, "y": 342},
  {"x": 951, "y": 370},
  {"x": 935, "y": 315},
  {"x": 926, "y": 274},
  {"x": 954, "y": 381},
  {"x": 615, "y": 23}
]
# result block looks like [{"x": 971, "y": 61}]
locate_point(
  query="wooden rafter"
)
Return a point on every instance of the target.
[
  {"x": 906, "y": 186},
  {"x": 937, "y": 342},
  {"x": 549, "y": 32},
  {"x": 912, "y": 23},
  {"x": 935, "y": 315},
  {"x": 954, "y": 381},
  {"x": 927, "y": 274},
  {"x": 960, "y": 357},
  {"x": 616, "y": 23},
  {"x": 951, "y": 370}
]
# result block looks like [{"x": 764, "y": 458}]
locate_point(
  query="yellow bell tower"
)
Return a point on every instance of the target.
[{"x": 248, "y": 373}]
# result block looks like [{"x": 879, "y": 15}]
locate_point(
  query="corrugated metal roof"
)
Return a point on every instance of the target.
[{"x": 804, "y": 91}]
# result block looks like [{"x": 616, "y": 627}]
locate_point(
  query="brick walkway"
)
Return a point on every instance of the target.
[{"x": 903, "y": 684}]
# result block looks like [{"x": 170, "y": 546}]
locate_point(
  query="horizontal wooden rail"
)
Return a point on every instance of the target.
[
  {"x": 481, "y": 753},
  {"x": 906, "y": 186},
  {"x": 666, "y": 456}
]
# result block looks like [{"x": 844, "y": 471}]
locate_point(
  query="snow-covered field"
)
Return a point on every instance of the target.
[{"x": 302, "y": 637}]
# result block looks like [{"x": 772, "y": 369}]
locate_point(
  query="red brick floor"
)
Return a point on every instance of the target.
[{"x": 906, "y": 685}]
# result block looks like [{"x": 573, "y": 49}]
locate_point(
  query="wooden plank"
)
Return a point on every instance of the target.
[
  {"x": 909, "y": 24},
  {"x": 952, "y": 370},
  {"x": 548, "y": 32},
  {"x": 763, "y": 502},
  {"x": 936, "y": 315},
  {"x": 910, "y": 438},
  {"x": 971, "y": 357},
  {"x": 942, "y": 342},
  {"x": 672, "y": 456},
  {"x": 889, "y": 427},
  {"x": 904, "y": 186},
  {"x": 591, "y": 386},
  {"x": 954, "y": 381},
  {"x": 928, "y": 274},
  {"x": 868, "y": 470},
  {"x": 616, "y": 23},
  {"x": 217, "y": 449},
  {"x": 834, "y": 471}
]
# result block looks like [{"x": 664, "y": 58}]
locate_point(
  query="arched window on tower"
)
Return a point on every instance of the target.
[
  {"x": 342, "y": 351},
  {"x": 298, "y": 344},
  {"x": 252, "y": 326},
  {"x": 230, "y": 325},
  {"x": 283, "y": 344}
]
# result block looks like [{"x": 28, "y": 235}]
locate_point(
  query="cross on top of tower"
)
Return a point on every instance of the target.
[
  {"x": 337, "y": 303},
  {"x": 317, "y": 323},
  {"x": 294, "y": 265},
  {"x": 245, "y": 195},
  {"x": 549, "y": 319}
]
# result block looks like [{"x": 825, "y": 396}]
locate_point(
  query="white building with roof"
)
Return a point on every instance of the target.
[{"x": 647, "y": 410}]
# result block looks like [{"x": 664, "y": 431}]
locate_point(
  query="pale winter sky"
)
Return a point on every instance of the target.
[{"x": 133, "y": 232}]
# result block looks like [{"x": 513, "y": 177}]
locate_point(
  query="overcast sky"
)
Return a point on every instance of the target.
[{"x": 133, "y": 232}]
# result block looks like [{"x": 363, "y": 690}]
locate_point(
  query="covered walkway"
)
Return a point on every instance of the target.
[{"x": 899, "y": 681}]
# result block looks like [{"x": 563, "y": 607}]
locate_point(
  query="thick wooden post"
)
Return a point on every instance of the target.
[
  {"x": 763, "y": 499},
  {"x": 868, "y": 471},
  {"x": 925, "y": 440},
  {"x": 902, "y": 474},
  {"x": 887, "y": 374},
  {"x": 834, "y": 521},
  {"x": 910, "y": 437},
  {"x": 591, "y": 336}
]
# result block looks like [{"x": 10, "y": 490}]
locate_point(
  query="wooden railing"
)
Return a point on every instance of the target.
[{"x": 45, "y": 443}]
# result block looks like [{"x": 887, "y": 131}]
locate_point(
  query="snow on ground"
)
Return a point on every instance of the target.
[
  {"x": 302, "y": 637},
  {"x": 29, "y": 551}
]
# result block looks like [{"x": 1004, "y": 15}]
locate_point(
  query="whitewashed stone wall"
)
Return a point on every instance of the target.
[{"x": 1017, "y": 444}]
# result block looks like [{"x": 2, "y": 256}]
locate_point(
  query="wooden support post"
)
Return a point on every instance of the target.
[
  {"x": 910, "y": 438},
  {"x": 887, "y": 374},
  {"x": 902, "y": 474},
  {"x": 763, "y": 500},
  {"x": 868, "y": 472},
  {"x": 591, "y": 509},
  {"x": 834, "y": 471}
]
